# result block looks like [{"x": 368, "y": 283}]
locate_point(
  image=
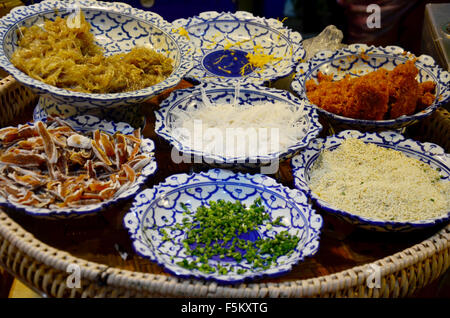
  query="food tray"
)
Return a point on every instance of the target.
[{"x": 42, "y": 253}]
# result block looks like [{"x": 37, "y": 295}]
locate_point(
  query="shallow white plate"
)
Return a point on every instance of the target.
[{"x": 222, "y": 40}]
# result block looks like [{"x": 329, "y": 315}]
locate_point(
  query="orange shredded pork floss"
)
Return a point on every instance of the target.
[
  {"x": 378, "y": 95},
  {"x": 67, "y": 57}
]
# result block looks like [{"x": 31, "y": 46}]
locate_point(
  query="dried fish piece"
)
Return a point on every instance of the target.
[
  {"x": 75, "y": 196},
  {"x": 129, "y": 172},
  {"x": 140, "y": 163},
  {"x": 31, "y": 143},
  {"x": 29, "y": 172},
  {"x": 8, "y": 134},
  {"x": 62, "y": 166},
  {"x": 11, "y": 134},
  {"x": 59, "y": 140},
  {"x": 23, "y": 160},
  {"x": 49, "y": 144},
  {"x": 9, "y": 188},
  {"x": 60, "y": 123},
  {"x": 98, "y": 165},
  {"x": 132, "y": 138},
  {"x": 98, "y": 186},
  {"x": 107, "y": 145},
  {"x": 26, "y": 131},
  {"x": 135, "y": 151},
  {"x": 100, "y": 153},
  {"x": 76, "y": 158},
  {"x": 137, "y": 134},
  {"x": 90, "y": 169},
  {"x": 108, "y": 193},
  {"x": 61, "y": 131},
  {"x": 120, "y": 150},
  {"x": 28, "y": 180}
]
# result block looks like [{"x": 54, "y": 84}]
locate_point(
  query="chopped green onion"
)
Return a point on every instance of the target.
[{"x": 215, "y": 232}]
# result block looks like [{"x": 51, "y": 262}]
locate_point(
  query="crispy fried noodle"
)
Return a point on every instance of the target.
[{"x": 68, "y": 58}]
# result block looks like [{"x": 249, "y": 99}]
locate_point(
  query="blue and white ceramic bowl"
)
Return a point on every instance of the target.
[
  {"x": 131, "y": 115},
  {"x": 223, "y": 40},
  {"x": 428, "y": 153},
  {"x": 360, "y": 59},
  {"x": 84, "y": 124},
  {"x": 159, "y": 208},
  {"x": 183, "y": 101},
  {"x": 117, "y": 28}
]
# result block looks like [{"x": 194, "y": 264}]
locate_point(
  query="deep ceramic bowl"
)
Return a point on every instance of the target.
[
  {"x": 359, "y": 59},
  {"x": 222, "y": 41},
  {"x": 117, "y": 28},
  {"x": 85, "y": 124},
  {"x": 158, "y": 209},
  {"x": 428, "y": 153},
  {"x": 183, "y": 101}
]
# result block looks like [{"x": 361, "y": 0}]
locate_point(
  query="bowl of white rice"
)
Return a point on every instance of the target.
[
  {"x": 377, "y": 181},
  {"x": 243, "y": 126}
]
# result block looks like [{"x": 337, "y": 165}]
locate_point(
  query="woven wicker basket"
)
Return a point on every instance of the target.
[{"x": 47, "y": 270}]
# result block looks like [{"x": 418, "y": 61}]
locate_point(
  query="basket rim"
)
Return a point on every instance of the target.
[{"x": 137, "y": 281}]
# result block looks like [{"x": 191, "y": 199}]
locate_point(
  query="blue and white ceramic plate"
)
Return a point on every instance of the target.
[
  {"x": 428, "y": 153},
  {"x": 181, "y": 102},
  {"x": 160, "y": 207},
  {"x": 84, "y": 124},
  {"x": 223, "y": 40},
  {"x": 117, "y": 28},
  {"x": 360, "y": 59},
  {"x": 131, "y": 115}
]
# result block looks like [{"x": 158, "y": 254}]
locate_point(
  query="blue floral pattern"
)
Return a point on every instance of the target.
[
  {"x": 429, "y": 153},
  {"x": 131, "y": 114},
  {"x": 159, "y": 208}
]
